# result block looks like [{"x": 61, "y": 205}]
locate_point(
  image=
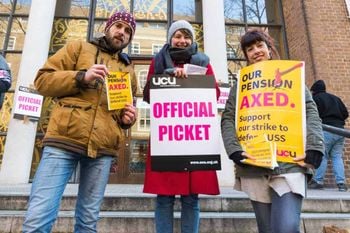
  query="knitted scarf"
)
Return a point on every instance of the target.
[{"x": 168, "y": 56}]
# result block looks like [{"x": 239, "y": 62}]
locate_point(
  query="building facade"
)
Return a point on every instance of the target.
[{"x": 32, "y": 30}]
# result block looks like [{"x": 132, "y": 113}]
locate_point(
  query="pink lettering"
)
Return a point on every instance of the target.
[
  {"x": 183, "y": 109},
  {"x": 183, "y": 132},
  {"x": 268, "y": 100},
  {"x": 265, "y": 99},
  {"x": 157, "y": 110},
  {"x": 281, "y": 99},
  {"x": 27, "y": 107},
  {"x": 162, "y": 130}
]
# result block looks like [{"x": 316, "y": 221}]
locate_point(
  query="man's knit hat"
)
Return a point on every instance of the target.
[
  {"x": 122, "y": 16},
  {"x": 180, "y": 24}
]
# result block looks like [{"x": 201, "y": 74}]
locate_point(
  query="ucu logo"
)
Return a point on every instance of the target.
[
  {"x": 286, "y": 153},
  {"x": 160, "y": 81}
]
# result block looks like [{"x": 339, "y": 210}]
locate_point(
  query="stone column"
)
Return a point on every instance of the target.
[
  {"x": 17, "y": 159},
  {"x": 215, "y": 37},
  {"x": 215, "y": 48}
]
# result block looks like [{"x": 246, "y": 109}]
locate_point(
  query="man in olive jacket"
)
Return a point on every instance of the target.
[{"x": 81, "y": 128}]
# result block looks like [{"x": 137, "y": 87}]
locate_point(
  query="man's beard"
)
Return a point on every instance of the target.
[{"x": 116, "y": 47}]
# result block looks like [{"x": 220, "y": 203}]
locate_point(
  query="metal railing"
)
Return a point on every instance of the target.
[{"x": 336, "y": 130}]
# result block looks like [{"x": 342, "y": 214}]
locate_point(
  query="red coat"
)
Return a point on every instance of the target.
[{"x": 184, "y": 182}]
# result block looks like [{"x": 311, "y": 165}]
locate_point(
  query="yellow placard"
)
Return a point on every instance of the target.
[
  {"x": 271, "y": 105},
  {"x": 118, "y": 88}
]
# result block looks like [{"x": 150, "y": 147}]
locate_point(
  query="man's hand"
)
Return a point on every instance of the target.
[
  {"x": 129, "y": 114},
  {"x": 96, "y": 72}
]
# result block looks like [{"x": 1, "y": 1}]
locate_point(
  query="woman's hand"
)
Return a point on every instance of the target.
[
  {"x": 300, "y": 161},
  {"x": 312, "y": 159},
  {"x": 180, "y": 73},
  {"x": 238, "y": 156},
  {"x": 248, "y": 156}
]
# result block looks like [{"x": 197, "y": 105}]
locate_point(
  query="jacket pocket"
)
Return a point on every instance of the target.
[
  {"x": 72, "y": 119},
  {"x": 107, "y": 131}
]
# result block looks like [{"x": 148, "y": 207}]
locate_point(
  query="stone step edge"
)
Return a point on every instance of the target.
[
  {"x": 205, "y": 197},
  {"x": 203, "y": 215}
]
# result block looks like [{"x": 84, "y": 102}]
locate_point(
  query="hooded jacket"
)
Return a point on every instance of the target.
[
  {"x": 331, "y": 108},
  {"x": 80, "y": 120}
]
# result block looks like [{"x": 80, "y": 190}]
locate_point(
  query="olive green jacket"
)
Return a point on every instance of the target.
[{"x": 80, "y": 120}]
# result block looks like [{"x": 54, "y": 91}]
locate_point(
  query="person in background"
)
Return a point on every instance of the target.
[
  {"x": 333, "y": 112},
  {"x": 5, "y": 79},
  {"x": 81, "y": 128},
  {"x": 179, "y": 49},
  {"x": 276, "y": 195}
]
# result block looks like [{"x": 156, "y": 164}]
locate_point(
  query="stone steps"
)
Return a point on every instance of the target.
[
  {"x": 142, "y": 221},
  {"x": 129, "y": 210},
  {"x": 145, "y": 202}
]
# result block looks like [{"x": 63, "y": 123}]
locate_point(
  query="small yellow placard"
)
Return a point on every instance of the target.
[
  {"x": 263, "y": 152},
  {"x": 118, "y": 88}
]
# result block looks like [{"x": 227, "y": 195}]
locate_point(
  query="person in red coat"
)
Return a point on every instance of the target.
[{"x": 179, "y": 50}]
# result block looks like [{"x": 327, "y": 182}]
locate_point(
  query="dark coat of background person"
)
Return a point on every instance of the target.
[
  {"x": 5, "y": 79},
  {"x": 331, "y": 108}
]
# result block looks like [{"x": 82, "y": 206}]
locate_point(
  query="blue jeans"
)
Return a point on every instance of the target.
[
  {"x": 164, "y": 214},
  {"x": 334, "y": 145},
  {"x": 54, "y": 171},
  {"x": 282, "y": 215}
]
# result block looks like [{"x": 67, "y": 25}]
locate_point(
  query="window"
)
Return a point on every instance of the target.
[
  {"x": 156, "y": 48},
  {"x": 135, "y": 48},
  {"x": 144, "y": 119},
  {"x": 142, "y": 77},
  {"x": 231, "y": 53},
  {"x": 12, "y": 43},
  {"x": 240, "y": 15},
  {"x": 158, "y": 26},
  {"x": 232, "y": 79}
]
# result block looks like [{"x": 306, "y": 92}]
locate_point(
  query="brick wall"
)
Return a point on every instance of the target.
[{"x": 318, "y": 33}]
